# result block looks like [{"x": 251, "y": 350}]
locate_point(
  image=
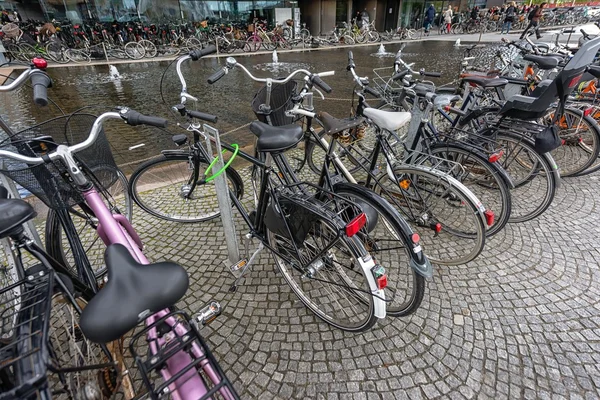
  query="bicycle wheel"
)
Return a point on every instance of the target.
[
  {"x": 411, "y": 33},
  {"x": 70, "y": 351},
  {"x": 27, "y": 52},
  {"x": 134, "y": 50},
  {"x": 325, "y": 274},
  {"x": 57, "y": 243},
  {"x": 373, "y": 37},
  {"x": 447, "y": 215},
  {"x": 159, "y": 187},
  {"x": 387, "y": 238},
  {"x": 268, "y": 42},
  {"x": 254, "y": 43},
  {"x": 150, "y": 49},
  {"x": 535, "y": 176},
  {"x": 78, "y": 56},
  {"x": 305, "y": 35},
  {"x": 456, "y": 29},
  {"x": 581, "y": 141},
  {"x": 483, "y": 178},
  {"x": 56, "y": 51},
  {"x": 348, "y": 39},
  {"x": 192, "y": 43}
]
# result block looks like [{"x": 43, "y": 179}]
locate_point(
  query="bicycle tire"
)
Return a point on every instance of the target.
[
  {"x": 390, "y": 228},
  {"x": 56, "y": 51},
  {"x": 528, "y": 168},
  {"x": 149, "y": 47},
  {"x": 462, "y": 237},
  {"x": 349, "y": 277},
  {"x": 483, "y": 178},
  {"x": 57, "y": 244},
  {"x": 269, "y": 44},
  {"x": 173, "y": 169},
  {"x": 78, "y": 56},
  {"x": 348, "y": 39},
  {"x": 373, "y": 37},
  {"x": 581, "y": 137},
  {"x": 134, "y": 50},
  {"x": 27, "y": 52},
  {"x": 254, "y": 43}
]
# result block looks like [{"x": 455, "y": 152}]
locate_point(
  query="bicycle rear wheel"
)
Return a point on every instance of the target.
[
  {"x": 159, "y": 187},
  {"x": 389, "y": 239},
  {"x": 134, "y": 50},
  {"x": 325, "y": 274},
  {"x": 447, "y": 216},
  {"x": 78, "y": 56}
]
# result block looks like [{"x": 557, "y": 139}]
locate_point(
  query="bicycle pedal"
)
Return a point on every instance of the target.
[
  {"x": 235, "y": 268},
  {"x": 208, "y": 313}
]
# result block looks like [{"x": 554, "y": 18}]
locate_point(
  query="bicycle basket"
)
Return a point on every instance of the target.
[
  {"x": 24, "y": 314},
  {"x": 50, "y": 181},
  {"x": 11, "y": 30},
  {"x": 281, "y": 101}
]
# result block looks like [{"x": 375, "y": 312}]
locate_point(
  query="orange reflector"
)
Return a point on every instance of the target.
[
  {"x": 382, "y": 282},
  {"x": 415, "y": 238},
  {"x": 405, "y": 184},
  {"x": 356, "y": 224},
  {"x": 489, "y": 217}
]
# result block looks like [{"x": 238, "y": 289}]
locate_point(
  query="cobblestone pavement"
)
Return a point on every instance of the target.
[{"x": 521, "y": 321}]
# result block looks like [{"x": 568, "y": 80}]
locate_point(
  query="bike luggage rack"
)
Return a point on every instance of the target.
[
  {"x": 433, "y": 163},
  {"x": 202, "y": 360},
  {"x": 24, "y": 320}
]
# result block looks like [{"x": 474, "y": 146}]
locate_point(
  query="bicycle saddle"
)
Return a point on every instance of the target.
[
  {"x": 334, "y": 125},
  {"x": 274, "y": 139},
  {"x": 388, "y": 120},
  {"x": 485, "y": 82},
  {"x": 133, "y": 292},
  {"x": 543, "y": 62},
  {"x": 13, "y": 214}
]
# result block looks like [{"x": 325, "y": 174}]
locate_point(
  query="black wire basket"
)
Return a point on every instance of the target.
[
  {"x": 50, "y": 181},
  {"x": 24, "y": 314},
  {"x": 281, "y": 101}
]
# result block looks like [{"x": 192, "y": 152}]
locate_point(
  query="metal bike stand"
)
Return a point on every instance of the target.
[{"x": 222, "y": 190}]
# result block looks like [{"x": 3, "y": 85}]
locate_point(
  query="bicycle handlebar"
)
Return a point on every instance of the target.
[
  {"x": 39, "y": 80},
  {"x": 131, "y": 117}
]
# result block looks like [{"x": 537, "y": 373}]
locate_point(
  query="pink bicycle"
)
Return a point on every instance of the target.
[{"x": 171, "y": 356}]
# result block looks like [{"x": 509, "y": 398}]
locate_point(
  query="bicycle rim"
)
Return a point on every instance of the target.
[
  {"x": 160, "y": 187},
  {"x": 333, "y": 292},
  {"x": 382, "y": 237},
  {"x": 428, "y": 198}
]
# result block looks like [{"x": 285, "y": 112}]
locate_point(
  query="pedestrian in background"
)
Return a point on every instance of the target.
[
  {"x": 509, "y": 18},
  {"x": 429, "y": 17},
  {"x": 448, "y": 18},
  {"x": 534, "y": 21}
]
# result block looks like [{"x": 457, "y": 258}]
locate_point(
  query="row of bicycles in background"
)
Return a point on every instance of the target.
[{"x": 355, "y": 211}]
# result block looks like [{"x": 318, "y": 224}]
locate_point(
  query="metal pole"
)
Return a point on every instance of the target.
[{"x": 222, "y": 190}]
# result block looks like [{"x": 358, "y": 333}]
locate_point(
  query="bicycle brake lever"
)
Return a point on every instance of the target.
[
  {"x": 185, "y": 95},
  {"x": 320, "y": 94}
]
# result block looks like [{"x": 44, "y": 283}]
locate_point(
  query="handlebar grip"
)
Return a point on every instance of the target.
[
  {"x": 216, "y": 76},
  {"x": 400, "y": 75},
  {"x": 316, "y": 80},
  {"x": 351, "y": 60},
  {"x": 372, "y": 91},
  {"x": 40, "y": 82},
  {"x": 134, "y": 118},
  {"x": 203, "y": 116},
  {"x": 432, "y": 74},
  {"x": 197, "y": 54}
]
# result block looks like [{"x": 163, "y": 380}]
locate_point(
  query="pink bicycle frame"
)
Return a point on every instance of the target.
[{"x": 115, "y": 229}]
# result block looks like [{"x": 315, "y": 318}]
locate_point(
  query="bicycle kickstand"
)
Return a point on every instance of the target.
[{"x": 241, "y": 267}]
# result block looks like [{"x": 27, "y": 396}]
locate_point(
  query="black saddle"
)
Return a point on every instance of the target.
[
  {"x": 274, "y": 139},
  {"x": 543, "y": 62},
  {"x": 485, "y": 82},
  {"x": 13, "y": 214},
  {"x": 133, "y": 292},
  {"x": 334, "y": 125}
]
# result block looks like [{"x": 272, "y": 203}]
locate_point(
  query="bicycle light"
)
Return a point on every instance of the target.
[
  {"x": 356, "y": 224},
  {"x": 380, "y": 276},
  {"x": 39, "y": 63},
  {"x": 489, "y": 217}
]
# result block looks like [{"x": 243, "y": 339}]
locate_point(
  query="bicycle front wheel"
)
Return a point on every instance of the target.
[
  {"x": 387, "y": 237},
  {"x": 326, "y": 276},
  {"x": 163, "y": 187},
  {"x": 447, "y": 216}
]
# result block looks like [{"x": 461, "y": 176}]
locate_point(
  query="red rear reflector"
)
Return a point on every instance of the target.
[
  {"x": 574, "y": 81},
  {"x": 489, "y": 217},
  {"x": 496, "y": 156},
  {"x": 563, "y": 141},
  {"x": 382, "y": 282},
  {"x": 415, "y": 238},
  {"x": 588, "y": 111},
  {"x": 356, "y": 224},
  {"x": 438, "y": 227}
]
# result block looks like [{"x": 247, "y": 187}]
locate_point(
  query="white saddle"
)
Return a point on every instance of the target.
[{"x": 388, "y": 120}]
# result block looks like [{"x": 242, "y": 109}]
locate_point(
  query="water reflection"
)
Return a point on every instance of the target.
[{"x": 143, "y": 87}]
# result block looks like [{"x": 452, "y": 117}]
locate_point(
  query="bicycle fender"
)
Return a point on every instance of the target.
[
  {"x": 425, "y": 269},
  {"x": 555, "y": 169},
  {"x": 367, "y": 263}
]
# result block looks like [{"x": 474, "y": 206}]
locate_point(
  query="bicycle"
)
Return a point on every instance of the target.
[
  {"x": 50, "y": 168},
  {"x": 316, "y": 248}
]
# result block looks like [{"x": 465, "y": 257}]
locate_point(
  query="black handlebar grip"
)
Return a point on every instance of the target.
[
  {"x": 372, "y": 91},
  {"x": 197, "y": 54},
  {"x": 40, "y": 82},
  {"x": 400, "y": 75},
  {"x": 216, "y": 76},
  {"x": 432, "y": 74},
  {"x": 134, "y": 118},
  {"x": 203, "y": 116},
  {"x": 3, "y": 192},
  {"x": 316, "y": 80},
  {"x": 351, "y": 60}
]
